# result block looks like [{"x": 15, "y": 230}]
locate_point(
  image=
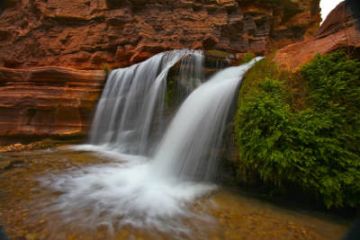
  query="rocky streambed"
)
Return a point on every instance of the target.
[{"x": 226, "y": 214}]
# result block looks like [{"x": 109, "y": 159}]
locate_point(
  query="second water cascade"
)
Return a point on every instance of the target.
[{"x": 159, "y": 174}]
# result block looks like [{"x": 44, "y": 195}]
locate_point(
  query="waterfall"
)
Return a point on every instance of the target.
[
  {"x": 188, "y": 149},
  {"x": 133, "y": 100},
  {"x": 150, "y": 190}
]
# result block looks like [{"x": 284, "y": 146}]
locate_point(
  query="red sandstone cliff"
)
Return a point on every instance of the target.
[
  {"x": 339, "y": 31},
  {"x": 86, "y": 34},
  {"x": 94, "y": 34},
  {"x": 47, "y": 101}
]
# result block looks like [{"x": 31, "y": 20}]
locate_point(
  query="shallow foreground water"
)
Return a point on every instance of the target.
[{"x": 220, "y": 214}]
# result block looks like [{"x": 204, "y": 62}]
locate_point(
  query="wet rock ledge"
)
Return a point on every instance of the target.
[{"x": 47, "y": 101}]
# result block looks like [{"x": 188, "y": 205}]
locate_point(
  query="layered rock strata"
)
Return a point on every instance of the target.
[
  {"x": 38, "y": 100},
  {"x": 86, "y": 34},
  {"x": 47, "y": 101},
  {"x": 341, "y": 30}
]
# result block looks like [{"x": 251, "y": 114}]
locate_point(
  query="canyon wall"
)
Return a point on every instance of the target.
[
  {"x": 340, "y": 30},
  {"x": 86, "y": 34},
  {"x": 53, "y": 53},
  {"x": 47, "y": 101}
]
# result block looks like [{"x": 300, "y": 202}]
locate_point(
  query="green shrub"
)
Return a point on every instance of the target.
[
  {"x": 315, "y": 148},
  {"x": 106, "y": 68},
  {"x": 247, "y": 57}
]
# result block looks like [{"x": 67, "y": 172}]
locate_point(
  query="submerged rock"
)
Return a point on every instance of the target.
[
  {"x": 2, "y": 234},
  {"x": 19, "y": 147}
]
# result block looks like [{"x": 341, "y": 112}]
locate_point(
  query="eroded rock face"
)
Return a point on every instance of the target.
[
  {"x": 37, "y": 100},
  {"x": 339, "y": 31},
  {"x": 47, "y": 101},
  {"x": 86, "y": 34}
]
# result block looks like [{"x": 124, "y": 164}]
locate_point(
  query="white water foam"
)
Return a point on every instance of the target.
[{"x": 152, "y": 192}]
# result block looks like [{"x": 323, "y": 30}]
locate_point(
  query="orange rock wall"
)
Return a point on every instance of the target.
[
  {"x": 47, "y": 101},
  {"x": 88, "y": 34},
  {"x": 339, "y": 31},
  {"x": 80, "y": 38}
]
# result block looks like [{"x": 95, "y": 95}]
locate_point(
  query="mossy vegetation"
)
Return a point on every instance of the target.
[
  {"x": 170, "y": 98},
  {"x": 106, "y": 68},
  {"x": 302, "y": 130},
  {"x": 217, "y": 54},
  {"x": 247, "y": 57}
]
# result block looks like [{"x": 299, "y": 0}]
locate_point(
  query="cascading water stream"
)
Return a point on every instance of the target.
[
  {"x": 133, "y": 100},
  {"x": 188, "y": 149},
  {"x": 149, "y": 191}
]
